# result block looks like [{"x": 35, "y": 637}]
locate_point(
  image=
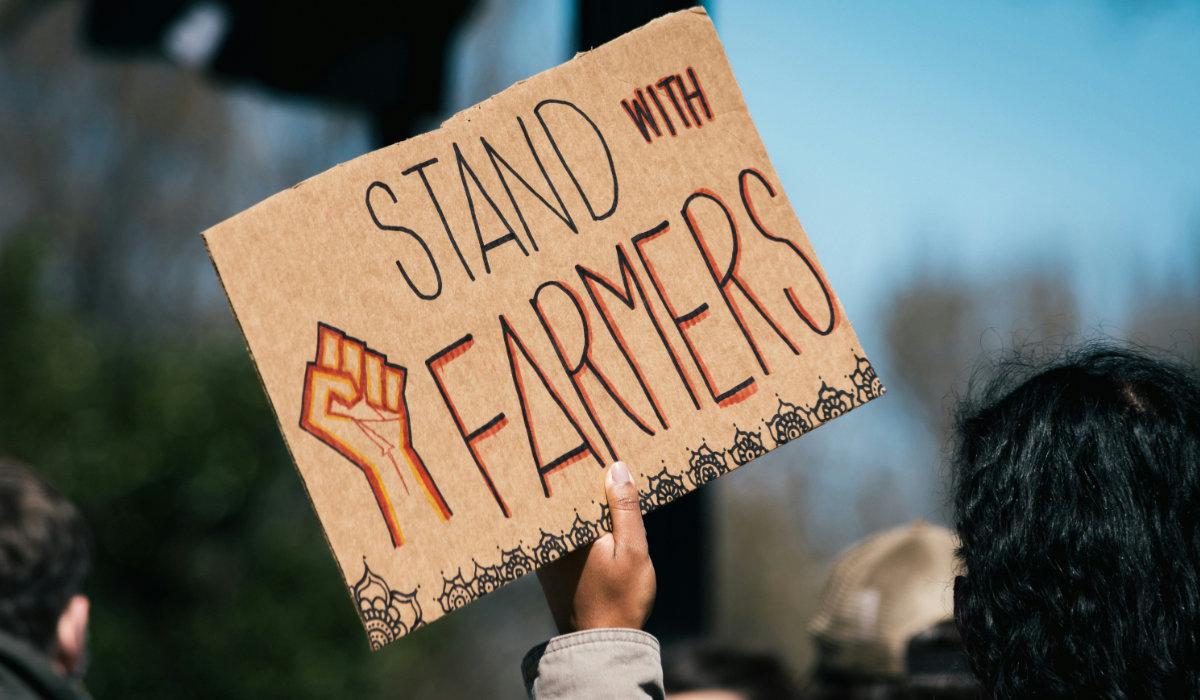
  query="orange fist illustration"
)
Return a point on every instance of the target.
[{"x": 354, "y": 402}]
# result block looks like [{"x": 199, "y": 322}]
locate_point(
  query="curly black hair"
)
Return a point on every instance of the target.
[{"x": 1077, "y": 502}]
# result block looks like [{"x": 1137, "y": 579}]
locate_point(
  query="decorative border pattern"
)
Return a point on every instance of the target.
[
  {"x": 661, "y": 489},
  {"x": 789, "y": 422},
  {"x": 705, "y": 465},
  {"x": 459, "y": 590},
  {"x": 388, "y": 614}
]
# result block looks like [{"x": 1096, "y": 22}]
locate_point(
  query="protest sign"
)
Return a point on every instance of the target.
[{"x": 458, "y": 332}]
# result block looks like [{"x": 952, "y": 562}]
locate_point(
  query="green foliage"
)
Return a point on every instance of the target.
[{"x": 211, "y": 572}]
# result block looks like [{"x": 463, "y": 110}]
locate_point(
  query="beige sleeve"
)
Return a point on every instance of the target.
[{"x": 595, "y": 665}]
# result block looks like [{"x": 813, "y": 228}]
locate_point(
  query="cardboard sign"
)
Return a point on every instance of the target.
[{"x": 460, "y": 331}]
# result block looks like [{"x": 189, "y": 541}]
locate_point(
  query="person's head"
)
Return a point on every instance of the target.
[
  {"x": 881, "y": 618},
  {"x": 700, "y": 671},
  {"x": 1077, "y": 504},
  {"x": 45, "y": 556}
]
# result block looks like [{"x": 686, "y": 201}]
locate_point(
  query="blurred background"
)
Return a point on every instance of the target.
[{"x": 975, "y": 177}]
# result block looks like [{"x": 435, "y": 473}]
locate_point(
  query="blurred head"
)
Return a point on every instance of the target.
[
  {"x": 883, "y": 590},
  {"x": 882, "y": 616},
  {"x": 1077, "y": 499},
  {"x": 706, "y": 672},
  {"x": 44, "y": 559}
]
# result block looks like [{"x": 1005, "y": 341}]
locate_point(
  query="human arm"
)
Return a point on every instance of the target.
[{"x": 600, "y": 596}]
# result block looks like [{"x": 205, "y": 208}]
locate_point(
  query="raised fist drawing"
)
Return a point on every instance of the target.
[{"x": 354, "y": 402}]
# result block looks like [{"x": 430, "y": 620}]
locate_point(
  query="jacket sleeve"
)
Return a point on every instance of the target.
[{"x": 595, "y": 664}]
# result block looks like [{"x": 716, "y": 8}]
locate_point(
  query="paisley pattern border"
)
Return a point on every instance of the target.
[{"x": 387, "y": 614}]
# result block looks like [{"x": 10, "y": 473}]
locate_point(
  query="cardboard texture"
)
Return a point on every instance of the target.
[{"x": 458, "y": 332}]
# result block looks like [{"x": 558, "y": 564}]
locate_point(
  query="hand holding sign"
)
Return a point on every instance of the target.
[{"x": 611, "y": 582}]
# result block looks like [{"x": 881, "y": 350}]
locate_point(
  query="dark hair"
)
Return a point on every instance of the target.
[
  {"x": 1077, "y": 502},
  {"x": 44, "y": 555},
  {"x": 700, "y": 666}
]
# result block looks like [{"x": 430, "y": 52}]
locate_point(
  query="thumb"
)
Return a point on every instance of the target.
[{"x": 625, "y": 508}]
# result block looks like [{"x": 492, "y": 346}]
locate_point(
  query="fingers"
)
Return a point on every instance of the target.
[
  {"x": 373, "y": 375},
  {"x": 393, "y": 387},
  {"x": 329, "y": 346},
  {"x": 629, "y": 532},
  {"x": 352, "y": 360},
  {"x": 560, "y": 580},
  {"x": 611, "y": 582}
]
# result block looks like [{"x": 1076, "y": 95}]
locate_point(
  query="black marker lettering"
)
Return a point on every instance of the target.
[
  {"x": 744, "y": 186},
  {"x": 402, "y": 229},
  {"x": 641, "y": 116},
  {"x": 629, "y": 282},
  {"x": 696, "y": 95},
  {"x": 419, "y": 169},
  {"x": 667, "y": 86},
  {"x": 608, "y": 154},
  {"x": 576, "y": 368},
  {"x": 730, "y": 277},
  {"x": 544, "y": 468},
  {"x": 434, "y": 364},
  {"x": 497, "y": 160},
  {"x": 464, "y": 168},
  {"x": 663, "y": 112}
]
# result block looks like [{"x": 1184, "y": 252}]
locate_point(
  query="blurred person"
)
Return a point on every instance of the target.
[
  {"x": 880, "y": 624},
  {"x": 45, "y": 556},
  {"x": 703, "y": 671},
  {"x": 1077, "y": 504}
]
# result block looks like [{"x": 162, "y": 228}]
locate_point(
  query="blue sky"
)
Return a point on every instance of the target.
[{"x": 981, "y": 136}]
